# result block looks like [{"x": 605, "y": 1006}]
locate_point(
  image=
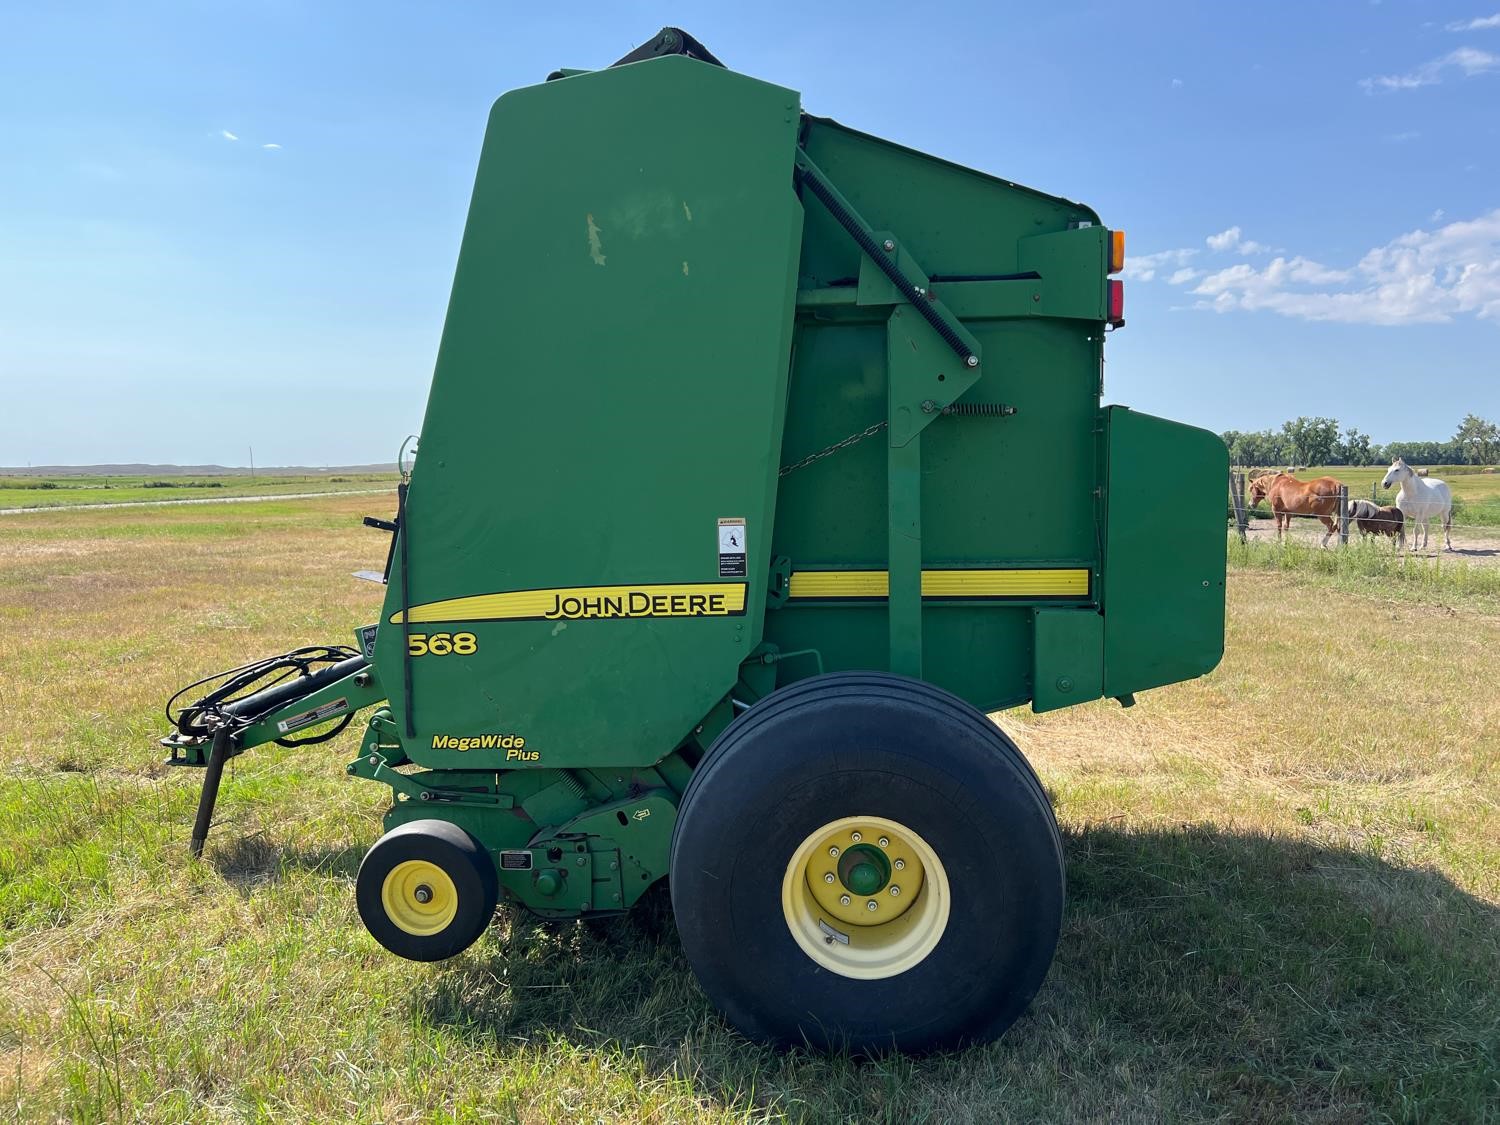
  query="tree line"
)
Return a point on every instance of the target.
[{"x": 1322, "y": 441}]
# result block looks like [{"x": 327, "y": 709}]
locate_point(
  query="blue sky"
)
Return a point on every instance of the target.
[{"x": 225, "y": 225}]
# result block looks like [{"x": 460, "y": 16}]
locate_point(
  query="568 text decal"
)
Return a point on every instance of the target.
[{"x": 442, "y": 644}]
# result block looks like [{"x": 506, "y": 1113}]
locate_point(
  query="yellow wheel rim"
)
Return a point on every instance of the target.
[
  {"x": 419, "y": 897},
  {"x": 866, "y": 897}
]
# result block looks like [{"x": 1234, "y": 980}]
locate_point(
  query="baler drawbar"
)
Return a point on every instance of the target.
[
  {"x": 246, "y": 704},
  {"x": 762, "y": 459}
]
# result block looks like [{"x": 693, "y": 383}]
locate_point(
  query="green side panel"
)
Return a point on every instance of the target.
[
  {"x": 1067, "y": 658},
  {"x": 611, "y": 383},
  {"x": 1164, "y": 552},
  {"x": 1072, "y": 264},
  {"x": 1014, "y": 491},
  {"x": 951, "y": 219}
]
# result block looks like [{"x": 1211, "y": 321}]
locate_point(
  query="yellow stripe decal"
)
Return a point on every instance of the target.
[
  {"x": 1033, "y": 583},
  {"x": 567, "y": 603}
]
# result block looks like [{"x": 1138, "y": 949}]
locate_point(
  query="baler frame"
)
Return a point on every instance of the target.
[{"x": 843, "y": 311}]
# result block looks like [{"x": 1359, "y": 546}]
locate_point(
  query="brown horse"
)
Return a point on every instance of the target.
[{"x": 1292, "y": 497}]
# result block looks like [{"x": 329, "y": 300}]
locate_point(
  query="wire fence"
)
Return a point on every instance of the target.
[{"x": 1243, "y": 512}]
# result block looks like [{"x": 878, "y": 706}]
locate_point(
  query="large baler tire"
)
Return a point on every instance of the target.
[
  {"x": 897, "y": 770},
  {"x": 427, "y": 890}
]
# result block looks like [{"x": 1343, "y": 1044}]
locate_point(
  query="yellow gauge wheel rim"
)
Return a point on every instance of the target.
[
  {"x": 866, "y": 897},
  {"x": 419, "y": 897}
]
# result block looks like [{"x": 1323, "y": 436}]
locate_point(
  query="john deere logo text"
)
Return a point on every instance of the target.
[
  {"x": 638, "y": 603},
  {"x": 562, "y": 603}
]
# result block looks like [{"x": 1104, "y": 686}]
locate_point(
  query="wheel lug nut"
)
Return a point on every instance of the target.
[
  {"x": 895, "y": 891},
  {"x": 872, "y": 905},
  {"x": 422, "y": 894},
  {"x": 899, "y": 865},
  {"x": 843, "y": 900},
  {"x": 856, "y": 837},
  {"x": 884, "y": 842},
  {"x": 828, "y": 878},
  {"x": 834, "y": 851}
]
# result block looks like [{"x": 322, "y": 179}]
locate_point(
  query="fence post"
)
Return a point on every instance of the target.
[
  {"x": 1237, "y": 497},
  {"x": 1343, "y": 515}
]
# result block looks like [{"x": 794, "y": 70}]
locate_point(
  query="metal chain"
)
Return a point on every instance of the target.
[{"x": 852, "y": 439}]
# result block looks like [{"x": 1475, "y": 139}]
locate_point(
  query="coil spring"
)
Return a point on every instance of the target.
[{"x": 980, "y": 409}]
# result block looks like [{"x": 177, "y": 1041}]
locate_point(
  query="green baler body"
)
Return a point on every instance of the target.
[{"x": 652, "y": 331}]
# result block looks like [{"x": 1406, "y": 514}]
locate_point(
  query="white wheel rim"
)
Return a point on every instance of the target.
[{"x": 853, "y": 938}]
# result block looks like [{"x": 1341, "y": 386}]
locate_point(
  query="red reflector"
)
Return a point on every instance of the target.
[{"x": 1116, "y": 303}]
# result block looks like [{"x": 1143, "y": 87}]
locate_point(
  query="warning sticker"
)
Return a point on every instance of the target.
[
  {"x": 316, "y": 715},
  {"x": 830, "y": 935},
  {"x": 732, "y": 548}
]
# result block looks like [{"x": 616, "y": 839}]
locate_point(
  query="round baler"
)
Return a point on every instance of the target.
[{"x": 762, "y": 459}]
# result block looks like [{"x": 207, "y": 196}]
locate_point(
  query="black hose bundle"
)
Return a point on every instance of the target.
[{"x": 216, "y": 709}]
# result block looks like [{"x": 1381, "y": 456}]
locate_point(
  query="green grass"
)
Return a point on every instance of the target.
[
  {"x": 1371, "y": 567},
  {"x": 1284, "y": 882},
  {"x": 51, "y": 492}
]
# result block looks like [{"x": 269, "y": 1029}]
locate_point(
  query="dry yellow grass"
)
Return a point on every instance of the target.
[{"x": 1284, "y": 882}]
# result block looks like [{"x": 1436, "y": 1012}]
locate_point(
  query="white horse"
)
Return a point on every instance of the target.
[{"x": 1420, "y": 499}]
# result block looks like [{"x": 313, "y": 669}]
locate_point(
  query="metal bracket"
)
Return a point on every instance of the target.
[
  {"x": 381, "y": 752},
  {"x": 883, "y": 252},
  {"x": 923, "y": 380},
  {"x": 924, "y": 377},
  {"x": 779, "y": 588}
]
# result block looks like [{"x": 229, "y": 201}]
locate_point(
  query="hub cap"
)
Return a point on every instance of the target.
[
  {"x": 885, "y": 907},
  {"x": 419, "y": 897}
]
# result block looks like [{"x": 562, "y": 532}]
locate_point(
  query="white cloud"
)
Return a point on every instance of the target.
[
  {"x": 1224, "y": 240},
  {"x": 1426, "y": 276},
  {"x": 1401, "y": 138},
  {"x": 1469, "y": 60},
  {"x": 1479, "y": 23},
  {"x": 227, "y": 135},
  {"x": 1143, "y": 267},
  {"x": 1233, "y": 239},
  {"x": 1183, "y": 276},
  {"x": 270, "y": 146},
  {"x": 1177, "y": 83},
  {"x": 1436, "y": 215}
]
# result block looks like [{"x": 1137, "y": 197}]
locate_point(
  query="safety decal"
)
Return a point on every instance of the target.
[
  {"x": 569, "y": 603},
  {"x": 312, "y": 718},
  {"x": 732, "y": 548}
]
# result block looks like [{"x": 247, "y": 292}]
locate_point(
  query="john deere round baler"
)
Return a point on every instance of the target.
[{"x": 762, "y": 459}]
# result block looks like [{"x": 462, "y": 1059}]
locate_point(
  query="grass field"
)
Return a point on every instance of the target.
[
  {"x": 52, "y": 492},
  {"x": 1372, "y": 568},
  {"x": 1284, "y": 881}
]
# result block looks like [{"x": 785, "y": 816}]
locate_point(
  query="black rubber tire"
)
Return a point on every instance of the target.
[
  {"x": 867, "y": 744},
  {"x": 460, "y": 855}
]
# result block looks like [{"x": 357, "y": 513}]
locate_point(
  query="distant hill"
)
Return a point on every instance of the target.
[{"x": 187, "y": 470}]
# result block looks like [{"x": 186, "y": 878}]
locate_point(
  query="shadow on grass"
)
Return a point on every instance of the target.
[
  {"x": 249, "y": 862},
  {"x": 1200, "y": 973}
]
